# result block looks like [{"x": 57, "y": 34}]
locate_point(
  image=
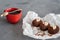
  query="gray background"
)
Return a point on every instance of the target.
[{"x": 14, "y": 31}]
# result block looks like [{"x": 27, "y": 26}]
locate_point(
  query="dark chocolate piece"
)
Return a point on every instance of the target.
[
  {"x": 36, "y": 23},
  {"x": 53, "y": 31},
  {"x": 43, "y": 26}
]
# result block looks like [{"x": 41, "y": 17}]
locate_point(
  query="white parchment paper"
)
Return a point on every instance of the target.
[{"x": 27, "y": 28}]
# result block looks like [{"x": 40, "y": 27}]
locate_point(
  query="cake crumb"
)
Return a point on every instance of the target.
[
  {"x": 40, "y": 33},
  {"x": 49, "y": 34}
]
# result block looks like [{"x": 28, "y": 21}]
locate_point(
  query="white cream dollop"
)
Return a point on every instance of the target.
[
  {"x": 38, "y": 19},
  {"x": 45, "y": 23},
  {"x": 54, "y": 26}
]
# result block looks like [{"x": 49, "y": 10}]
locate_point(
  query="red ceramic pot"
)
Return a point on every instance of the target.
[{"x": 13, "y": 18}]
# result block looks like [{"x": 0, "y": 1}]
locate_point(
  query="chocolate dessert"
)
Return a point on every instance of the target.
[
  {"x": 36, "y": 22},
  {"x": 44, "y": 26},
  {"x": 53, "y": 30}
]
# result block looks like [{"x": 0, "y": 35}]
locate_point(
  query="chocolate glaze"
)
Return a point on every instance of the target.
[
  {"x": 43, "y": 27},
  {"x": 53, "y": 31},
  {"x": 35, "y": 23}
]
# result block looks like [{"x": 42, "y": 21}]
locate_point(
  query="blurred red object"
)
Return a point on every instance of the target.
[{"x": 13, "y": 18}]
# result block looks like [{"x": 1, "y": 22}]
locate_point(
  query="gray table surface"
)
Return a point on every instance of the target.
[{"x": 14, "y": 31}]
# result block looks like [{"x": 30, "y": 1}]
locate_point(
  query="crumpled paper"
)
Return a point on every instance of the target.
[{"x": 27, "y": 28}]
